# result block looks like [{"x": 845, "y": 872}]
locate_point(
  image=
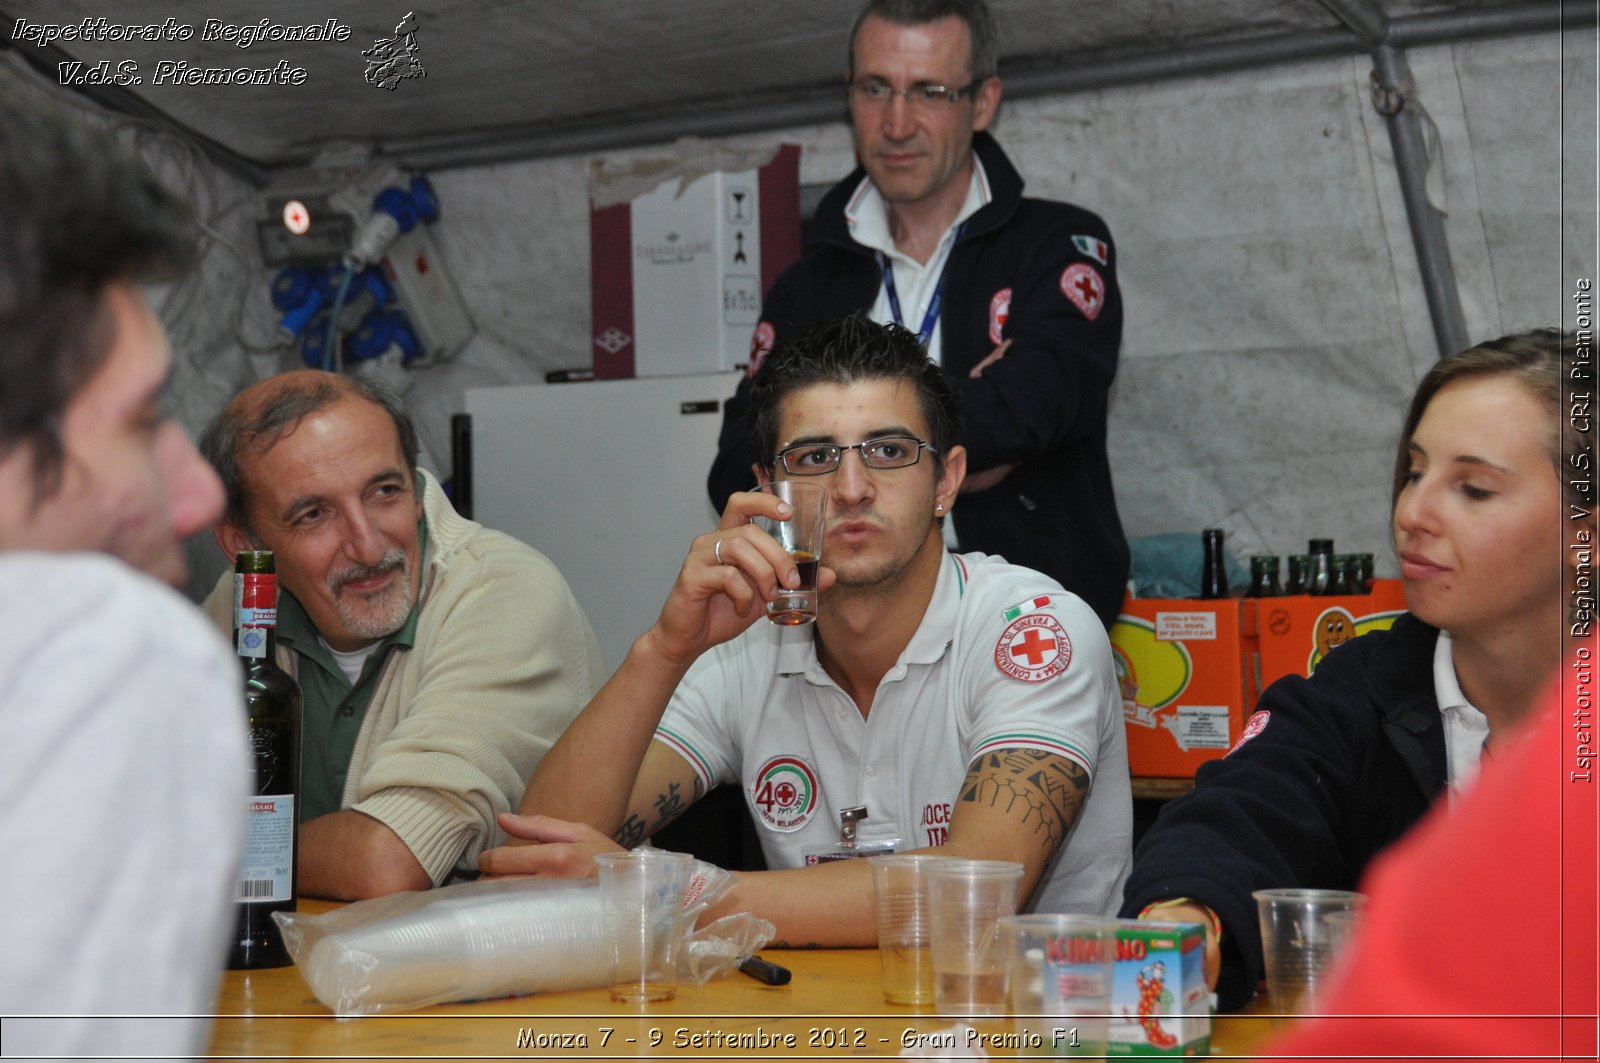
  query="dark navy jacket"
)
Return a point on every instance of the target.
[
  {"x": 1042, "y": 406},
  {"x": 1347, "y": 762}
]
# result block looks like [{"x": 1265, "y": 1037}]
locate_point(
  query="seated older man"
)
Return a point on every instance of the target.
[{"x": 438, "y": 659}]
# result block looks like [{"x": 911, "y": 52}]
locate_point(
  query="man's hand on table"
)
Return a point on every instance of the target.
[
  {"x": 1187, "y": 911},
  {"x": 543, "y": 845}
]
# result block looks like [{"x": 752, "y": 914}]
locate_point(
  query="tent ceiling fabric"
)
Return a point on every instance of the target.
[{"x": 499, "y": 65}]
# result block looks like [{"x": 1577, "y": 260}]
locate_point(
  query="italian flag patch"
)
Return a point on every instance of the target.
[{"x": 1031, "y": 605}]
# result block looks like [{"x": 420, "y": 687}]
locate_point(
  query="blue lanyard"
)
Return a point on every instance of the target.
[{"x": 931, "y": 318}]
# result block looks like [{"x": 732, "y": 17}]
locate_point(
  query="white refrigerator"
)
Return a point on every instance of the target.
[{"x": 607, "y": 479}]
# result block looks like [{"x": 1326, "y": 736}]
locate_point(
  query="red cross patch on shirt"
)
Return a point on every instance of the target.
[
  {"x": 1033, "y": 649},
  {"x": 1081, "y": 283}
]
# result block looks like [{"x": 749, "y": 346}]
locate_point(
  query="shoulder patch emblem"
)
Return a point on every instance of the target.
[
  {"x": 1081, "y": 283},
  {"x": 1253, "y": 726},
  {"x": 760, "y": 346},
  {"x": 784, "y": 793},
  {"x": 1034, "y": 648},
  {"x": 999, "y": 311},
  {"x": 1091, "y": 247}
]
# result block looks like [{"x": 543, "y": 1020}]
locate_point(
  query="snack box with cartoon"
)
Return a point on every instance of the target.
[
  {"x": 1187, "y": 672},
  {"x": 1159, "y": 1002},
  {"x": 1295, "y": 631}
]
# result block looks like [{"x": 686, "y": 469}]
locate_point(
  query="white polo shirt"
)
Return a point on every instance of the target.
[{"x": 1003, "y": 659}]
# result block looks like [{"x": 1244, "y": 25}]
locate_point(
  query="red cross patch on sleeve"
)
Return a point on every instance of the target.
[
  {"x": 760, "y": 347},
  {"x": 1252, "y": 727},
  {"x": 1081, "y": 283},
  {"x": 999, "y": 310},
  {"x": 1033, "y": 649}
]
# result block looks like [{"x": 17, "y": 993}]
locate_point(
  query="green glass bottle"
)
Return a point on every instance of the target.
[
  {"x": 1298, "y": 563},
  {"x": 1364, "y": 565},
  {"x": 1264, "y": 577},
  {"x": 266, "y": 881},
  {"x": 1319, "y": 567},
  {"x": 1344, "y": 575},
  {"x": 1214, "y": 565}
]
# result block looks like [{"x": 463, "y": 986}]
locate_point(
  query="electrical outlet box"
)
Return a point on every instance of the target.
[
  {"x": 428, "y": 296},
  {"x": 328, "y": 237}
]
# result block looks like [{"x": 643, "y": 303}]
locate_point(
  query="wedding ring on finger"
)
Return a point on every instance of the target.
[{"x": 717, "y": 552}]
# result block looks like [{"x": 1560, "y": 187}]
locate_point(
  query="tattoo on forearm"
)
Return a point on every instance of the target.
[
  {"x": 631, "y": 833},
  {"x": 669, "y": 806},
  {"x": 1045, "y": 790}
]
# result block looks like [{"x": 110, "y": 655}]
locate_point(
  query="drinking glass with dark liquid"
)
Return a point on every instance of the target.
[{"x": 801, "y": 535}]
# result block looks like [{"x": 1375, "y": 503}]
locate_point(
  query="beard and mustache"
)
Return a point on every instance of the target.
[{"x": 379, "y": 613}]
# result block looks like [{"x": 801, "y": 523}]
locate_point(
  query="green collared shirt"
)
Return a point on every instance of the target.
[{"x": 333, "y": 707}]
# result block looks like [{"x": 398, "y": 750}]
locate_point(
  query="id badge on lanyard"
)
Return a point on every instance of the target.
[{"x": 850, "y": 846}]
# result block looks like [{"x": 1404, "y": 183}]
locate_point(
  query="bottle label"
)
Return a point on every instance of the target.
[
  {"x": 255, "y": 608},
  {"x": 267, "y": 874}
]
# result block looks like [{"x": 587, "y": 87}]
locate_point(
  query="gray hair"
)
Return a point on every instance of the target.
[
  {"x": 984, "y": 60},
  {"x": 259, "y": 425}
]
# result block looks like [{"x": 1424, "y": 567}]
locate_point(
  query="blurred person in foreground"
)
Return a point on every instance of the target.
[
  {"x": 1332, "y": 769},
  {"x": 123, "y": 763},
  {"x": 967, "y": 703},
  {"x": 438, "y": 659},
  {"x": 1427, "y": 976}
]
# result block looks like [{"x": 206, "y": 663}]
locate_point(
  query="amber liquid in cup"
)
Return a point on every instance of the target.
[{"x": 797, "y": 606}]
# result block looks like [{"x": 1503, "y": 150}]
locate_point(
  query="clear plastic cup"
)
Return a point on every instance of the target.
[
  {"x": 1058, "y": 981},
  {"x": 641, "y": 894},
  {"x": 1299, "y": 942},
  {"x": 900, "y": 884},
  {"x": 966, "y": 899}
]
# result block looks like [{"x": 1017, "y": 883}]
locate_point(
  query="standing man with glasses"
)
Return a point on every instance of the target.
[
  {"x": 1015, "y": 298},
  {"x": 939, "y": 700}
]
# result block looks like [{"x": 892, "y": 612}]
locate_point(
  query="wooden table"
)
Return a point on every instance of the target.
[{"x": 833, "y": 1006}]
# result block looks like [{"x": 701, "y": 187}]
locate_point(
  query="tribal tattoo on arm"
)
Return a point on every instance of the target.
[
  {"x": 1045, "y": 790},
  {"x": 669, "y": 805}
]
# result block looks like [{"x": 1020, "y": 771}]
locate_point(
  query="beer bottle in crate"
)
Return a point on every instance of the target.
[
  {"x": 1264, "y": 577},
  {"x": 1319, "y": 567},
  {"x": 1214, "y": 567},
  {"x": 1367, "y": 573},
  {"x": 1345, "y": 576},
  {"x": 1298, "y": 563},
  {"x": 266, "y": 882}
]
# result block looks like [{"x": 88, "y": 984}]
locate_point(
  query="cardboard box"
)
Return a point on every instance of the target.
[
  {"x": 678, "y": 272},
  {"x": 1296, "y": 630},
  {"x": 1159, "y": 1002},
  {"x": 1187, "y": 671}
]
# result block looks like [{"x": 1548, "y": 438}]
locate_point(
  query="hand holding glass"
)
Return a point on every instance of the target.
[{"x": 800, "y": 535}]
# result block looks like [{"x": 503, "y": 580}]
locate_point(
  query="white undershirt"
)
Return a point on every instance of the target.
[
  {"x": 1465, "y": 728},
  {"x": 350, "y": 663},
  {"x": 868, "y": 218}
]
